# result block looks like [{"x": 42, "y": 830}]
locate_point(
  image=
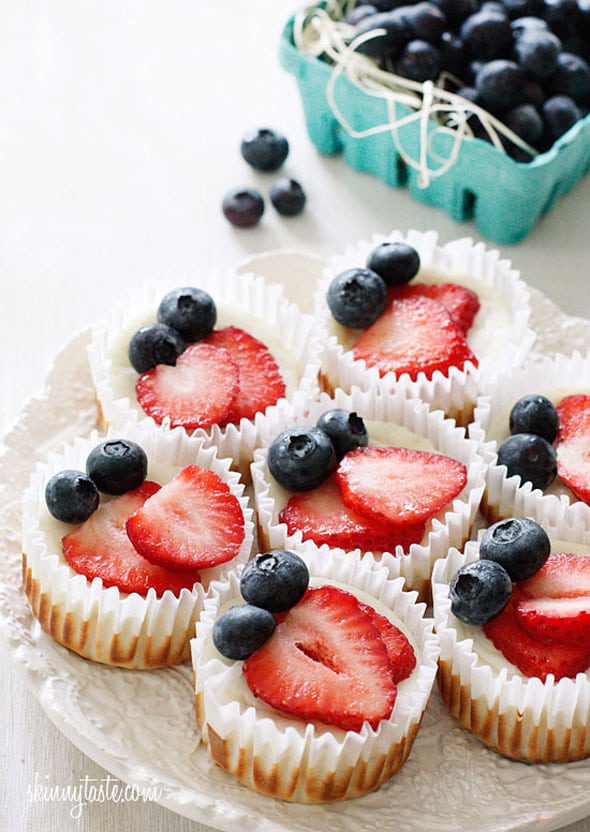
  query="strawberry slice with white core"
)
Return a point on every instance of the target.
[
  {"x": 321, "y": 515},
  {"x": 561, "y": 620},
  {"x": 573, "y": 445},
  {"x": 199, "y": 391},
  {"x": 193, "y": 522},
  {"x": 325, "y": 661},
  {"x": 261, "y": 384},
  {"x": 461, "y": 303},
  {"x": 400, "y": 651},
  {"x": 563, "y": 576},
  {"x": 414, "y": 335},
  {"x": 399, "y": 485},
  {"x": 100, "y": 548}
]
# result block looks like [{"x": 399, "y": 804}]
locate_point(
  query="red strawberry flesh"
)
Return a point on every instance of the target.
[
  {"x": 199, "y": 391},
  {"x": 400, "y": 651},
  {"x": 193, "y": 522},
  {"x": 100, "y": 548},
  {"x": 573, "y": 445},
  {"x": 414, "y": 335},
  {"x": 325, "y": 661},
  {"x": 322, "y": 516},
  {"x": 559, "y": 620},
  {"x": 461, "y": 303},
  {"x": 399, "y": 485},
  {"x": 563, "y": 576},
  {"x": 261, "y": 384}
]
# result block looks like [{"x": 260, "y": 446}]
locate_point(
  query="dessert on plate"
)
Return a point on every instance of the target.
[
  {"x": 213, "y": 357},
  {"x": 368, "y": 473},
  {"x": 513, "y": 617},
  {"x": 314, "y": 689},
  {"x": 534, "y": 430},
  {"x": 121, "y": 538},
  {"x": 403, "y": 313}
]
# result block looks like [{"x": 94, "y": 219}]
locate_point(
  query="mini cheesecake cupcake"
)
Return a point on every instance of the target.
[
  {"x": 314, "y": 689},
  {"x": 214, "y": 357},
  {"x": 513, "y": 617},
  {"x": 121, "y": 538},
  {"x": 406, "y": 314},
  {"x": 534, "y": 430},
  {"x": 368, "y": 473}
]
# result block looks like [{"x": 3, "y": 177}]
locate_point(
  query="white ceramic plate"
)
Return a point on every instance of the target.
[{"x": 140, "y": 725}]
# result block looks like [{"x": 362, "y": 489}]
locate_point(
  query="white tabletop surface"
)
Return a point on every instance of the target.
[{"x": 119, "y": 131}]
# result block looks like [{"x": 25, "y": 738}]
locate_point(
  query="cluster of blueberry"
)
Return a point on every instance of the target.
[
  {"x": 524, "y": 61},
  {"x": 185, "y": 315},
  {"x": 113, "y": 467},
  {"x": 271, "y": 583},
  {"x": 529, "y": 452},
  {"x": 264, "y": 150},
  {"x": 510, "y": 551},
  {"x": 357, "y": 297}
]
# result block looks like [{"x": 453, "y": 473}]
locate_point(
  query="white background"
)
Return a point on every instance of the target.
[{"x": 120, "y": 123}]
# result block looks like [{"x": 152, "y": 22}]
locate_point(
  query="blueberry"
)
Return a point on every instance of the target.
[
  {"x": 563, "y": 16},
  {"x": 243, "y": 207},
  {"x": 535, "y": 414},
  {"x": 189, "y": 311},
  {"x": 154, "y": 344},
  {"x": 501, "y": 85},
  {"x": 301, "y": 458},
  {"x": 571, "y": 77},
  {"x": 518, "y": 544},
  {"x": 117, "y": 466},
  {"x": 560, "y": 113},
  {"x": 533, "y": 94},
  {"x": 419, "y": 61},
  {"x": 469, "y": 93},
  {"x": 526, "y": 122},
  {"x": 487, "y": 35},
  {"x": 451, "y": 53},
  {"x": 494, "y": 6},
  {"x": 523, "y": 8},
  {"x": 346, "y": 430},
  {"x": 265, "y": 149},
  {"x": 456, "y": 11},
  {"x": 382, "y": 5},
  {"x": 479, "y": 591},
  {"x": 275, "y": 581},
  {"x": 358, "y": 14},
  {"x": 288, "y": 197},
  {"x": 528, "y": 25},
  {"x": 537, "y": 53},
  {"x": 396, "y": 263},
  {"x": 384, "y": 45},
  {"x": 357, "y": 297},
  {"x": 71, "y": 496},
  {"x": 529, "y": 456},
  {"x": 427, "y": 22},
  {"x": 241, "y": 631}
]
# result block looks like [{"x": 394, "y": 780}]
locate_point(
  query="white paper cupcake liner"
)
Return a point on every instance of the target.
[
  {"x": 456, "y": 392},
  {"x": 450, "y": 527},
  {"x": 255, "y": 302},
  {"x": 106, "y": 624},
  {"x": 520, "y": 717},
  {"x": 508, "y": 496},
  {"x": 304, "y": 762}
]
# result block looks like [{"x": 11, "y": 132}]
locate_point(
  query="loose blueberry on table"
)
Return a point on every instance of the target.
[
  {"x": 533, "y": 606},
  {"x": 193, "y": 375},
  {"x": 326, "y": 656}
]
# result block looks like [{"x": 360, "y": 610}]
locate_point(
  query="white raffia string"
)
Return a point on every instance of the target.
[{"x": 319, "y": 31}]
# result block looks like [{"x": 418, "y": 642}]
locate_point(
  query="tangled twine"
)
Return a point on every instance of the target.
[{"x": 320, "y": 31}]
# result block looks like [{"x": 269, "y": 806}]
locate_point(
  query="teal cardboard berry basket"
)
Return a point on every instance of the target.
[{"x": 506, "y": 199}]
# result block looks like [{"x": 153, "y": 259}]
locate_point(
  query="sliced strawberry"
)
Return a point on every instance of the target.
[
  {"x": 563, "y": 576},
  {"x": 100, "y": 548},
  {"x": 400, "y": 651},
  {"x": 413, "y": 335},
  {"x": 198, "y": 392},
  {"x": 261, "y": 384},
  {"x": 399, "y": 485},
  {"x": 321, "y": 516},
  {"x": 194, "y": 521},
  {"x": 461, "y": 303},
  {"x": 325, "y": 661},
  {"x": 573, "y": 445},
  {"x": 531, "y": 656},
  {"x": 559, "y": 620}
]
